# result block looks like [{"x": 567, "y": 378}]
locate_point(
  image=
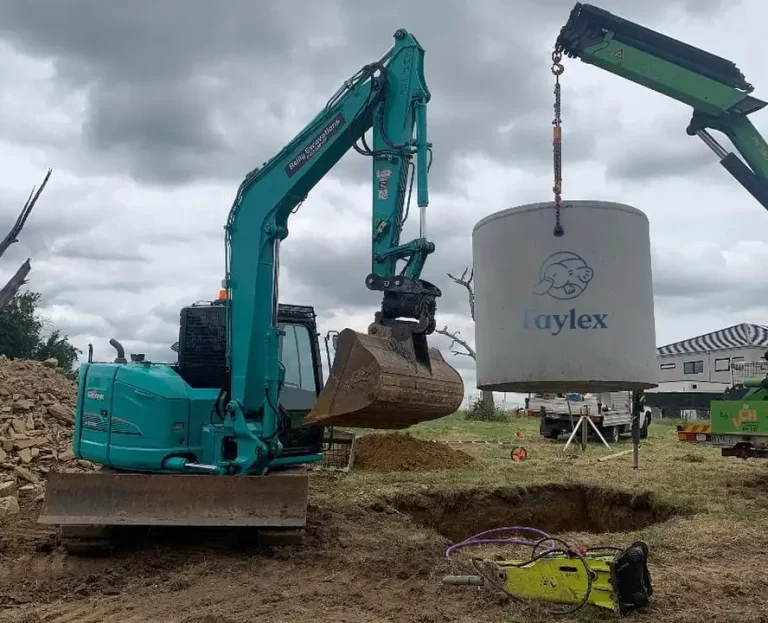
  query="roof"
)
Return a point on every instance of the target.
[{"x": 738, "y": 336}]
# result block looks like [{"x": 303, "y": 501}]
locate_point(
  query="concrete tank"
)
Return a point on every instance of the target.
[{"x": 570, "y": 313}]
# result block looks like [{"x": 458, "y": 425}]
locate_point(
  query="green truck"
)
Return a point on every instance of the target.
[{"x": 738, "y": 421}]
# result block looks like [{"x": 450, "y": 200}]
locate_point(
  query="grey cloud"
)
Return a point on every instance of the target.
[
  {"x": 163, "y": 99},
  {"x": 85, "y": 248},
  {"x": 169, "y": 136},
  {"x": 52, "y": 288},
  {"x": 329, "y": 276},
  {"x": 663, "y": 151}
]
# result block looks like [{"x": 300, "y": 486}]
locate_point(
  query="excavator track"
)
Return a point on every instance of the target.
[
  {"x": 101, "y": 541},
  {"x": 86, "y": 541}
]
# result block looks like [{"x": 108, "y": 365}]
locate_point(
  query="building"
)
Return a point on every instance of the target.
[
  {"x": 692, "y": 372},
  {"x": 704, "y": 362}
]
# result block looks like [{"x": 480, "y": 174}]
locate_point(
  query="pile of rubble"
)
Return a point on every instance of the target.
[{"x": 37, "y": 406}]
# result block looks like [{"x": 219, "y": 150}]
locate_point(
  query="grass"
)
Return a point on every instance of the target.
[{"x": 715, "y": 548}]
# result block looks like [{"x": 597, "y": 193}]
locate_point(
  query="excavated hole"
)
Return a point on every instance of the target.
[{"x": 555, "y": 509}]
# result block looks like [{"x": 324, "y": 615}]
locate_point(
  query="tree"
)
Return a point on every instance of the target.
[
  {"x": 455, "y": 336},
  {"x": 22, "y": 334},
  {"x": 10, "y": 289}
]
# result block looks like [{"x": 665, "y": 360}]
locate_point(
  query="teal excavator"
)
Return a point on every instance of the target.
[{"x": 223, "y": 436}]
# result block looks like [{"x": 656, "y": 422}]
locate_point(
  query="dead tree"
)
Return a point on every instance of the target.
[
  {"x": 466, "y": 282},
  {"x": 10, "y": 289}
]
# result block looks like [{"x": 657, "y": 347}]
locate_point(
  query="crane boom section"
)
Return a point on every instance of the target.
[{"x": 713, "y": 86}]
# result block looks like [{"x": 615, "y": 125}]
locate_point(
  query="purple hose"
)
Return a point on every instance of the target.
[{"x": 478, "y": 540}]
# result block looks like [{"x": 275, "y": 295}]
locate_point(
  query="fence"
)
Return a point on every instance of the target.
[{"x": 501, "y": 400}]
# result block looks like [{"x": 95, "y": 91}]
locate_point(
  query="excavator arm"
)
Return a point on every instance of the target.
[
  {"x": 713, "y": 86},
  {"x": 389, "y": 97}
]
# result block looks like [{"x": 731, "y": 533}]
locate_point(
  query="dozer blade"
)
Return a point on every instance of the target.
[
  {"x": 386, "y": 383},
  {"x": 277, "y": 500}
]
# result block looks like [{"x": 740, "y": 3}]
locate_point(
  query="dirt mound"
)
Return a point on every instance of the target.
[
  {"x": 399, "y": 452},
  {"x": 37, "y": 408}
]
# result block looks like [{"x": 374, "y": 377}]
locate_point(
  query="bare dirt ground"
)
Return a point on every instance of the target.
[{"x": 375, "y": 542}]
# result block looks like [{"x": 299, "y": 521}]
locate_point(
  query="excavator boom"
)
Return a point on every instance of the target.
[{"x": 711, "y": 85}]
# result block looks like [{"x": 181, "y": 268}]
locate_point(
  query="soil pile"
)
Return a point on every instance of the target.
[
  {"x": 37, "y": 409},
  {"x": 399, "y": 452}
]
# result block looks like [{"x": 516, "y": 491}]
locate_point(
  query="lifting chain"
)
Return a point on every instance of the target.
[{"x": 557, "y": 141}]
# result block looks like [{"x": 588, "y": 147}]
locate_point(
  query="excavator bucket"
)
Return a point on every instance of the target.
[{"x": 388, "y": 382}]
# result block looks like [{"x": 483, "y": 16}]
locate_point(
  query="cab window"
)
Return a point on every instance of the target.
[{"x": 296, "y": 356}]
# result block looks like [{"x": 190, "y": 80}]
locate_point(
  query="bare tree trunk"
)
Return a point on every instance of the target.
[
  {"x": 466, "y": 282},
  {"x": 12, "y": 287},
  {"x": 487, "y": 399}
]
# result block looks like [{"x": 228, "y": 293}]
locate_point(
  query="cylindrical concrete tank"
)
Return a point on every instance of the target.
[{"x": 569, "y": 313}]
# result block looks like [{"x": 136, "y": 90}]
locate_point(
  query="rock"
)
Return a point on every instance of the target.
[
  {"x": 67, "y": 455},
  {"x": 9, "y": 506},
  {"x": 19, "y": 426},
  {"x": 25, "y": 474},
  {"x": 25, "y": 404},
  {"x": 62, "y": 413},
  {"x": 51, "y": 363},
  {"x": 25, "y": 455},
  {"x": 6, "y": 487},
  {"x": 22, "y": 443},
  {"x": 3, "y": 454}
]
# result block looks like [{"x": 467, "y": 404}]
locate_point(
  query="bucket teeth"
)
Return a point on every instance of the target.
[{"x": 386, "y": 383}]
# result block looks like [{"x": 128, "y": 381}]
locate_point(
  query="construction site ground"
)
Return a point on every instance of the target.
[{"x": 374, "y": 550}]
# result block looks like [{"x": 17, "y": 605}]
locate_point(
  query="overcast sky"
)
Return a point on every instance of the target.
[{"x": 151, "y": 113}]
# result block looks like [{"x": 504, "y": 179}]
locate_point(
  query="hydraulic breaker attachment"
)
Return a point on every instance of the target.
[
  {"x": 276, "y": 500},
  {"x": 389, "y": 379},
  {"x": 608, "y": 578}
]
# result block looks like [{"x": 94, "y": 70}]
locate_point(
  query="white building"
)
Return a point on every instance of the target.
[{"x": 703, "y": 363}]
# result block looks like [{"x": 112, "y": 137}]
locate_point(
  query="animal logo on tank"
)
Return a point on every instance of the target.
[{"x": 563, "y": 275}]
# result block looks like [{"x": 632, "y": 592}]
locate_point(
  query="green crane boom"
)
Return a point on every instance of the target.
[{"x": 711, "y": 85}]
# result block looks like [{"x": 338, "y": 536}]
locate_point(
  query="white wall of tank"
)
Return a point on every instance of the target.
[{"x": 570, "y": 313}]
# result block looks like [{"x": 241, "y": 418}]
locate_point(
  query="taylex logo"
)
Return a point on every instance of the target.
[{"x": 563, "y": 276}]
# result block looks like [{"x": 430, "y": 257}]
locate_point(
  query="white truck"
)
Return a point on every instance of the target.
[{"x": 611, "y": 412}]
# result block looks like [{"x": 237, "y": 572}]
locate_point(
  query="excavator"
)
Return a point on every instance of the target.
[{"x": 224, "y": 436}]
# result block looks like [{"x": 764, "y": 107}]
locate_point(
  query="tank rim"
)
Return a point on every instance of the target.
[{"x": 565, "y": 205}]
